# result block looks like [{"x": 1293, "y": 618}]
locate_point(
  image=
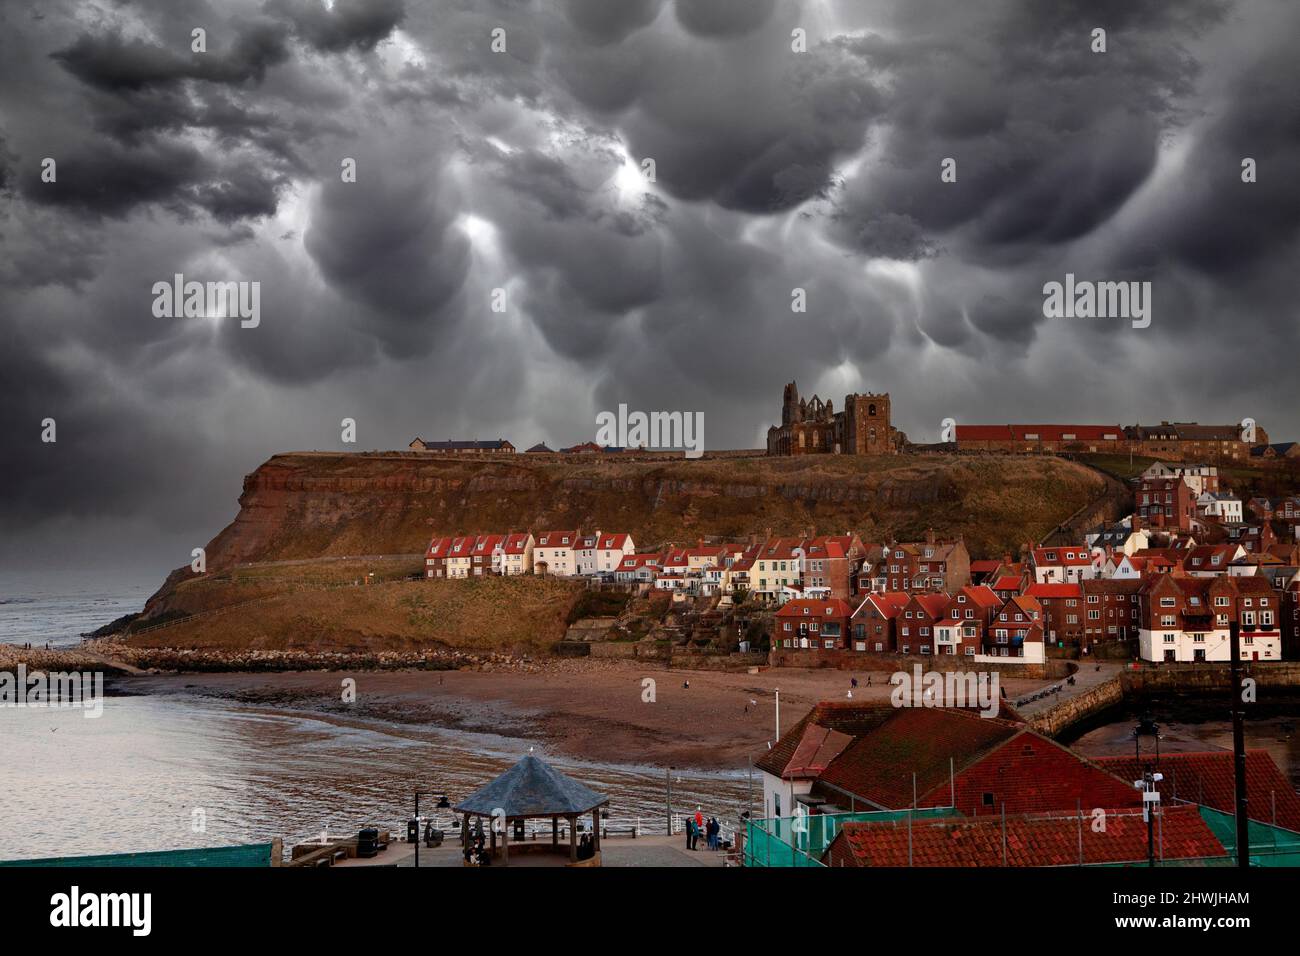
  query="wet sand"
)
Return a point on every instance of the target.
[{"x": 592, "y": 710}]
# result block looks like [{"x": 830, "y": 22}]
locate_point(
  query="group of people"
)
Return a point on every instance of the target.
[{"x": 697, "y": 826}]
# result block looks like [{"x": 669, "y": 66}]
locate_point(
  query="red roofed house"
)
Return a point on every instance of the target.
[
  {"x": 556, "y": 553},
  {"x": 1063, "y": 611},
  {"x": 435, "y": 558},
  {"x": 935, "y": 757},
  {"x": 638, "y": 568},
  {"x": 820, "y": 623},
  {"x": 486, "y": 554},
  {"x": 610, "y": 549},
  {"x": 1067, "y": 565},
  {"x": 1211, "y": 560},
  {"x": 1188, "y": 619},
  {"x": 962, "y": 629},
  {"x": 1166, "y": 503},
  {"x": 929, "y": 565},
  {"x": 459, "y": 557},
  {"x": 1207, "y": 778},
  {"x": 1040, "y": 438},
  {"x": 874, "y": 623},
  {"x": 1029, "y": 840},
  {"x": 832, "y": 562},
  {"x": 915, "y": 626},
  {"x": 1111, "y": 609},
  {"x": 777, "y": 565},
  {"x": 1017, "y": 631},
  {"x": 517, "y": 553},
  {"x": 788, "y": 772}
]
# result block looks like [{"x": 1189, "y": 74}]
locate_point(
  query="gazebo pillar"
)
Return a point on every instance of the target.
[
  {"x": 464, "y": 830},
  {"x": 505, "y": 844},
  {"x": 595, "y": 829},
  {"x": 555, "y": 831},
  {"x": 492, "y": 838},
  {"x": 573, "y": 838}
]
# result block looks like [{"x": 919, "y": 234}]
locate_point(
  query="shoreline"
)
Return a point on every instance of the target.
[{"x": 586, "y": 710}]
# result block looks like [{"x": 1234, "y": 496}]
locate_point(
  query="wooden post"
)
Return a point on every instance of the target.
[
  {"x": 555, "y": 831},
  {"x": 595, "y": 830},
  {"x": 573, "y": 838},
  {"x": 505, "y": 843}
]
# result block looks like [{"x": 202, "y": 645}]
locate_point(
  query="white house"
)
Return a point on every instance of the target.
[
  {"x": 517, "y": 553},
  {"x": 610, "y": 551},
  {"x": 1219, "y": 504},
  {"x": 556, "y": 553},
  {"x": 1067, "y": 565}
]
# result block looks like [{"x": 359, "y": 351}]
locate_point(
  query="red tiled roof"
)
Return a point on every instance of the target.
[
  {"x": 985, "y": 566},
  {"x": 1064, "y": 556},
  {"x": 1054, "y": 591},
  {"x": 516, "y": 543},
  {"x": 809, "y": 607},
  {"x": 1207, "y": 777},
  {"x": 879, "y": 766},
  {"x": 816, "y": 749},
  {"x": 889, "y": 603},
  {"x": 608, "y": 542},
  {"x": 1032, "y": 840},
  {"x": 846, "y": 716},
  {"x": 1006, "y": 583},
  {"x": 554, "y": 539}
]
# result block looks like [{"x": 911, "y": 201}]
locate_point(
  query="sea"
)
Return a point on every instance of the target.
[
  {"x": 59, "y": 606},
  {"x": 163, "y": 772}
]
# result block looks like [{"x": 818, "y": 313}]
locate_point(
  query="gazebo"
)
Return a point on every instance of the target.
[{"x": 530, "y": 789}]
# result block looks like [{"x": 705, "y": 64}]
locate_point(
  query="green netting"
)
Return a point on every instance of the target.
[
  {"x": 255, "y": 854},
  {"x": 1269, "y": 845},
  {"x": 801, "y": 841}
]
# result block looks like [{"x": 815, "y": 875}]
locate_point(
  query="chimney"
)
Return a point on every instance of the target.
[{"x": 929, "y": 536}]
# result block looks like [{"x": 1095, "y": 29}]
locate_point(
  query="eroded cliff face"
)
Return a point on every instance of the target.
[{"x": 312, "y": 505}]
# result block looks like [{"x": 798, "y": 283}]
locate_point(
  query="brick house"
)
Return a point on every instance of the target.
[
  {"x": 1166, "y": 502},
  {"x": 1063, "y": 612},
  {"x": 961, "y": 630},
  {"x": 813, "y": 623},
  {"x": 915, "y": 627},
  {"x": 1111, "y": 610},
  {"x": 874, "y": 623},
  {"x": 435, "y": 557},
  {"x": 1017, "y": 630},
  {"x": 928, "y": 565},
  {"x": 832, "y": 562},
  {"x": 485, "y": 555},
  {"x": 1188, "y": 619}
]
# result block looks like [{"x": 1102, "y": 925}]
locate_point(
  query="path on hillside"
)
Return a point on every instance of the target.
[{"x": 1086, "y": 678}]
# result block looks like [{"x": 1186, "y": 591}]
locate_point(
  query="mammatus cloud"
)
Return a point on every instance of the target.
[{"x": 643, "y": 186}]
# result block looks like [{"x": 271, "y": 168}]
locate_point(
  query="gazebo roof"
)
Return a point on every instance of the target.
[{"x": 532, "y": 788}]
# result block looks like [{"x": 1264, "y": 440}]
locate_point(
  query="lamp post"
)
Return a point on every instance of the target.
[{"x": 1150, "y": 801}]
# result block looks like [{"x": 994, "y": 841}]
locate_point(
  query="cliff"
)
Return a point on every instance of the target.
[{"x": 307, "y": 506}]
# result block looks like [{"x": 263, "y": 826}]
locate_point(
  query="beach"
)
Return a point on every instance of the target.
[{"x": 591, "y": 710}]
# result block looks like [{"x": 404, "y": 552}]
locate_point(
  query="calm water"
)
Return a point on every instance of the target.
[
  {"x": 133, "y": 778},
  {"x": 60, "y": 606}
]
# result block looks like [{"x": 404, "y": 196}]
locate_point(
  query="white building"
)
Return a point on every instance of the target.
[{"x": 556, "y": 553}]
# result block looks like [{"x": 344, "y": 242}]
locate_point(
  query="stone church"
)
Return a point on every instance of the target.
[{"x": 813, "y": 427}]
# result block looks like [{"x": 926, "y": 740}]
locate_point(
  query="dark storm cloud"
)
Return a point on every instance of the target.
[{"x": 520, "y": 170}]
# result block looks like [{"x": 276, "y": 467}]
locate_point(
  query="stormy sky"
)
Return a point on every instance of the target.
[{"x": 522, "y": 170}]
